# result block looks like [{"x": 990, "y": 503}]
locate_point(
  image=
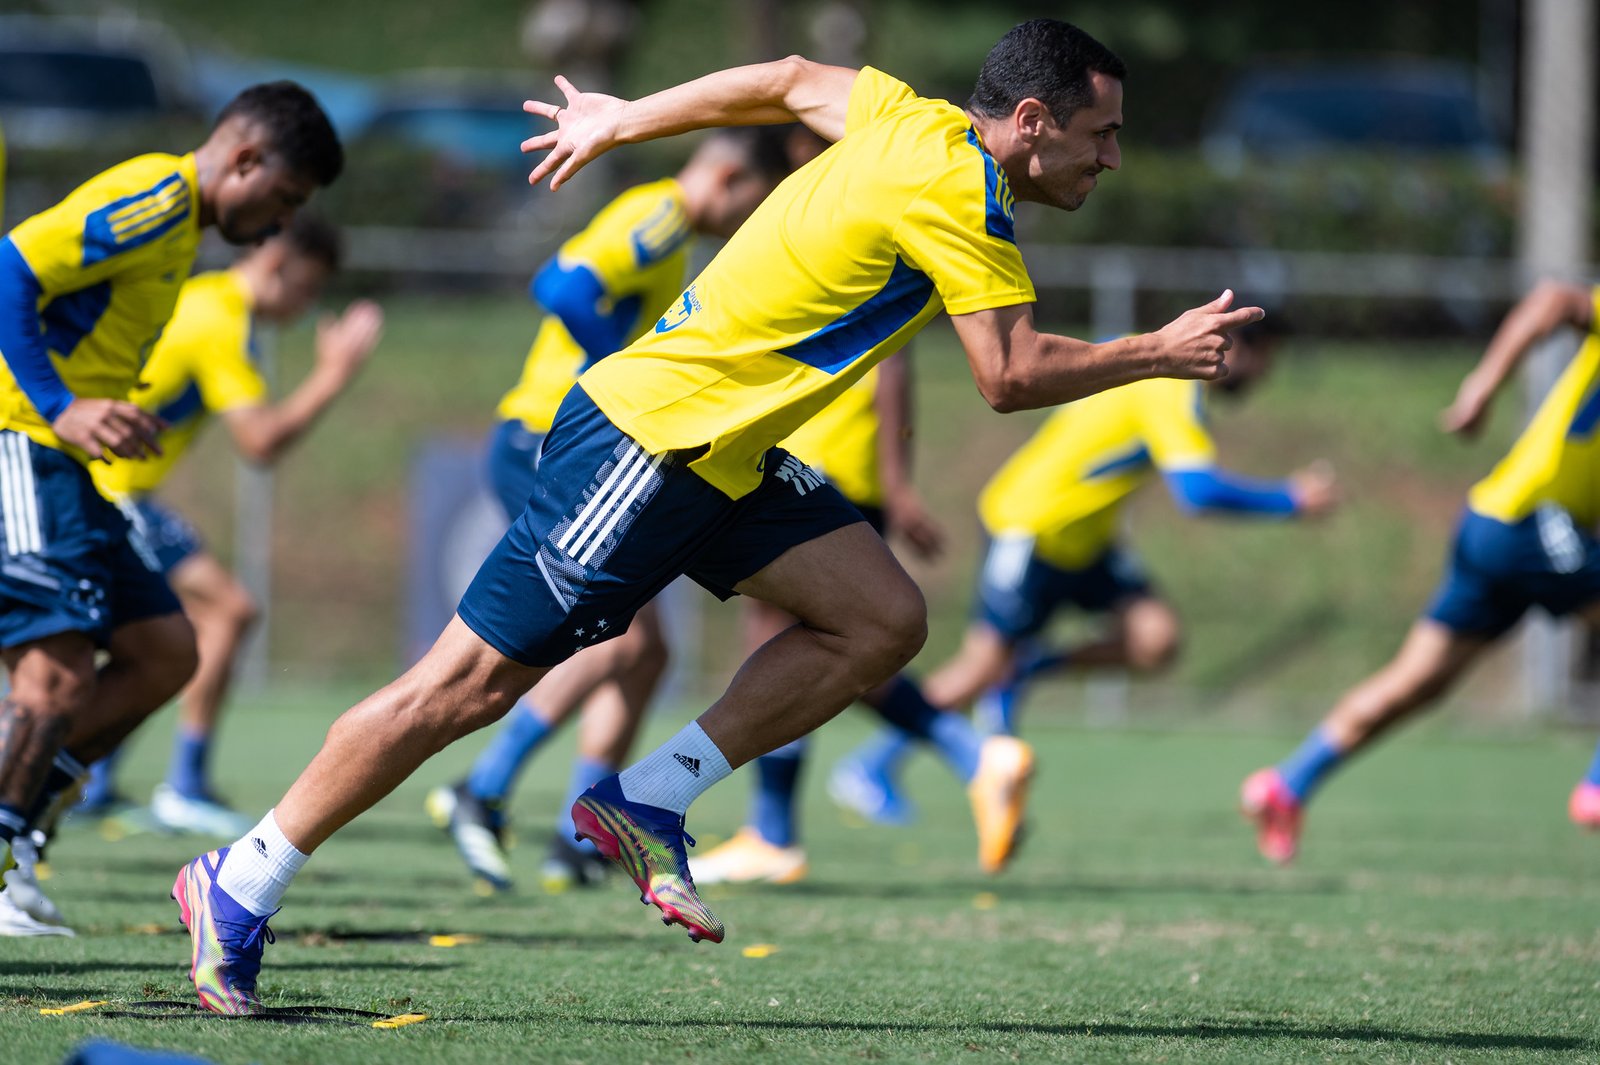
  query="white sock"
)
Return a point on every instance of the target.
[
  {"x": 259, "y": 866},
  {"x": 674, "y": 775}
]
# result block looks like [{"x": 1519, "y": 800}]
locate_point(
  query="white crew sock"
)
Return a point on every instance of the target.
[
  {"x": 259, "y": 866},
  {"x": 674, "y": 775}
]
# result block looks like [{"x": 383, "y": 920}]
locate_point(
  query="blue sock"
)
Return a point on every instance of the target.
[
  {"x": 883, "y": 754},
  {"x": 951, "y": 734},
  {"x": 101, "y": 787},
  {"x": 495, "y": 771},
  {"x": 586, "y": 773},
  {"x": 13, "y": 823},
  {"x": 186, "y": 773},
  {"x": 772, "y": 807},
  {"x": 1303, "y": 770},
  {"x": 1593, "y": 776}
]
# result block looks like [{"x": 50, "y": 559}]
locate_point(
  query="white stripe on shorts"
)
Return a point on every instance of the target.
[
  {"x": 21, "y": 507},
  {"x": 647, "y": 477},
  {"x": 600, "y": 498}
]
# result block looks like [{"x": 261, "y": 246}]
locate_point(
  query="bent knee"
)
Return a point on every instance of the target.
[{"x": 893, "y": 628}]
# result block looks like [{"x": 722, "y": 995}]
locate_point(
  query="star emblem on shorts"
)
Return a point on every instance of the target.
[
  {"x": 579, "y": 633},
  {"x": 602, "y": 625}
]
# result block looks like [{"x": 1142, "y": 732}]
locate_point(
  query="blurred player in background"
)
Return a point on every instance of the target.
[
  {"x": 861, "y": 443},
  {"x": 1526, "y": 539},
  {"x": 663, "y": 460},
  {"x": 205, "y": 365},
  {"x": 1054, "y": 517},
  {"x": 604, "y": 287},
  {"x": 86, "y": 288}
]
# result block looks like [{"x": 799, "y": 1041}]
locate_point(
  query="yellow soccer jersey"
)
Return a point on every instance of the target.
[
  {"x": 202, "y": 365},
  {"x": 637, "y": 247},
  {"x": 835, "y": 271},
  {"x": 1557, "y": 457},
  {"x": 1065, "y": 487},
  {"x": 841, "y": 442},
  {"x": 109, "y": 260}
]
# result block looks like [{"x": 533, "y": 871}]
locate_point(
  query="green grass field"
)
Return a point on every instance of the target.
[{"x": 1444, "y": 911}]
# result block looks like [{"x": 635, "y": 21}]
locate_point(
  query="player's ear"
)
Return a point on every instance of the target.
[
  {"x": 246, "y": 158},
  {"x": 1030, "y": 118}
]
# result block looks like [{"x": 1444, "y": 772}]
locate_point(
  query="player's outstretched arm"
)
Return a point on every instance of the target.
[
  {"x": 1016, "y": 367},
  {"x": 263, "y": 433},
  {"x": 1549, "y": 306},
  {"x": 590, "y": 124}
]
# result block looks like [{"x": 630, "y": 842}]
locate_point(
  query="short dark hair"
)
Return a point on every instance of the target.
[
  {"x": 765, "y": 148},
  {"x": 296, "y": 125},
  {"x": 316, "y": 238},
  {"x": 1047, "y": 60}
]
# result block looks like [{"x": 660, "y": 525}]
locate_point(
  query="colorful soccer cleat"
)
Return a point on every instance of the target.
[
  {"x": 228, "y": 939},
  {"x": 202, "y": 816},
  {"x": 749, "y": 859},
  {"x": 999, "y": 795},
  {"x": 648, "y": 843},
  {"x": 868, "y": 793},
  {"x": 22, "y": 888},
  {"x": 1584, "y": 805},
  {"x": 478, "y": 830},
  {"x": 1277, "y": 812}
]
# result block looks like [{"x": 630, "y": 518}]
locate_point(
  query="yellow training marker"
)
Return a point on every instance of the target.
[
  {"x": 985, "y": 900},
  {"x": 759, "y": 950},
  {"x": 459, "y": 940},
  {"x": 400, "y": 1021},
  {"x": 76, "y": 1007}
]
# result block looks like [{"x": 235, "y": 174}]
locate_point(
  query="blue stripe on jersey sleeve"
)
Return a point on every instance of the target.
[
  {"x": 72, "y": 316},
  {"x": 136, "y": 220},
  {"x": 186, "y": 404},
  {"x": 1136, "y": 457},
  {"x": 1209, "y": 488},
  {"x": 998, "y": 203},
  {"x": 574, "y": 294},
  {"x": 1586, "y": 417},
  {"x": 884, "y": 313},
  {"x": 22, "y": 345}
]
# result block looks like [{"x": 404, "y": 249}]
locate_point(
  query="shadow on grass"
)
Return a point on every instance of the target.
[
  {"x": 965, "y": 887},
  {"x": 1198, "y": 1030}
]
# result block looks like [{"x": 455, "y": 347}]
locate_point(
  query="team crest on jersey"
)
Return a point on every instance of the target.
[{"x": 687, "y": 305}]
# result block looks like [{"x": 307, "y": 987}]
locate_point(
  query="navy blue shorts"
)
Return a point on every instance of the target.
[
  {"x": 1497, "y": 571},
  {"x": 1018, "y": 592},
  {"x": 873, "y": 516},
  {"x": 161, "y": 536},
  {"x": 608, "y": 525},
  {"x": 65, "y": 561},
  {"x": 513, "y": 457}
]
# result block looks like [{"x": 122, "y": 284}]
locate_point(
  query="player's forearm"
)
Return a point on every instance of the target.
[
  {"x": 1545, "y": 309},
  {"x": 1211, "y": 489},
  {"x": 21, "y": 343},
  {"x": 264, "y": 434},
  {"x": 786, "y": 90},
  {"x": 1045, "y": 370}
]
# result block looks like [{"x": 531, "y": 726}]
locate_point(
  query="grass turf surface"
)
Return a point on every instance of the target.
[{"x": 1444, "y": 911}]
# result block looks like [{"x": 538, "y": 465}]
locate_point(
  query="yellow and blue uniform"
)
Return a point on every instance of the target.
[
  {"x": 663, "y": 461},
  {"x": 1527, "y": 537},
  {"x": 204, "y": 364},
  {"x": 841, "y": 443},
  {"x": 86, "y": 287},
  {"x": 603, "y": 288},
  {"x": 1053, "y": 512}
]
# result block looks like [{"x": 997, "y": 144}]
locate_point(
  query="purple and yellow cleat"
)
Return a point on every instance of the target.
[
  {"x": 228, "y": 939},
  {"x": 648, "y": 843}
]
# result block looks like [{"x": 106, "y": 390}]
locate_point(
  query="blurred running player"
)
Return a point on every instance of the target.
[
  {"x": 1054, "y": 517},
  {"x": 1526, "y": 539},
  {"x": 604, "y": 287},
  {"x": 86, "y": 288},
  {"x": 205, "y": 365},
  {"x": 662, "y": 461}
]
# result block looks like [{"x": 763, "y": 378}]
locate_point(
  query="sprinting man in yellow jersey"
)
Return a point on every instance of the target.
[
  {"x": 663, "y": 460},
  {"x": 603, "y": 288},
  {"x": 1526, "y": 539},
  {"x": 1054, "y": 516},
  {"x": 204, "y": 365},
  {"x": 86, "y": 288}
]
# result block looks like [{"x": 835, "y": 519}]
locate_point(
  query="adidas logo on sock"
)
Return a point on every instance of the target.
[
  {"x": 261, "y": 847},
  {"x": 691, "y": 764}
]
